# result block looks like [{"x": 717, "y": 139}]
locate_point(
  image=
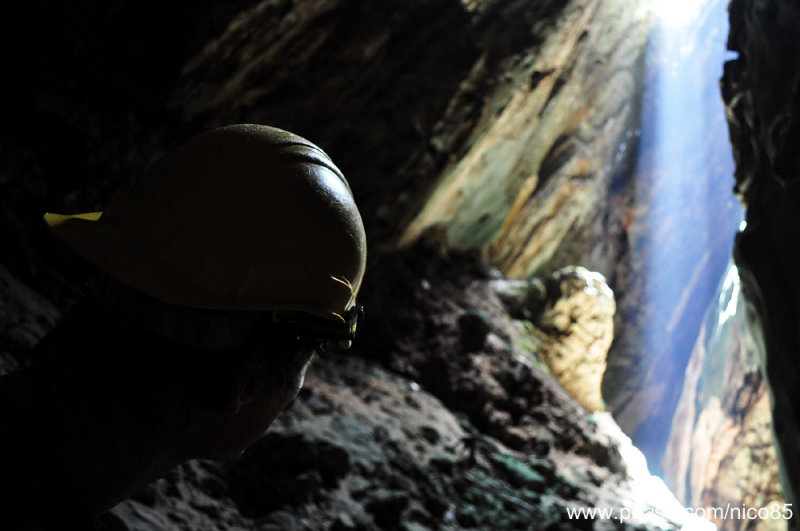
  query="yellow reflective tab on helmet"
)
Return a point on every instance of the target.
[{"x": 57, "y": 219}]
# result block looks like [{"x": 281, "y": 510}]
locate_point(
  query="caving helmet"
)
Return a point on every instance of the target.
[{"x": 245, "y": 218}]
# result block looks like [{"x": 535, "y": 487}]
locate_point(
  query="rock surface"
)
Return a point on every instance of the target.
[
  {"x": 721, "y": 451},
  {"x": 539, "y": 160},
  {"x": 760, "y": 89},
  {"x": 364, "y": 449},
  {"x": 573, "y": 314},
  {"x": 551, "y": 89},
  {"x": 580, "y": 325},
  {"x": 508, "y": 393},
  {"x": 25, "y": 317}
]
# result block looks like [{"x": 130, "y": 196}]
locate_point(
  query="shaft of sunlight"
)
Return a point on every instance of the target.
[{"x": 687, "y": 215}]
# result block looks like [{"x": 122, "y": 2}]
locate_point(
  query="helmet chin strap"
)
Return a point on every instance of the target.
[{"x": 217, "y": 329}]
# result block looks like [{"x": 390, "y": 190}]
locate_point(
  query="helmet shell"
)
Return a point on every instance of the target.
[{"x": 244, "y": 217}]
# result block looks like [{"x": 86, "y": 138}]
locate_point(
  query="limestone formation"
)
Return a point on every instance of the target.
[{"x": 571, "y": 318}]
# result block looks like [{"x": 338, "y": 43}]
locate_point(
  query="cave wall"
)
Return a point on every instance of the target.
[
  {"x": 532, "y": 184},
  {"x": 760, "y": 89},
  {"x": 394, "y": 94},
  {"x": 414, "y": 102},
  {"x": 720, "y": 452},
  {"x": 104, "y": 92}
]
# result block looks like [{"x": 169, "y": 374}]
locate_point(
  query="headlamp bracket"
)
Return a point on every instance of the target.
[{"x": 317, "y": 328}]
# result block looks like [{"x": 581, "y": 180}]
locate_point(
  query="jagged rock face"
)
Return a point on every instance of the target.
[
  {"x": 761, "y": 93},
  {"x": 720, "y": 451},
  {"x": 538, "y": 162},
  {"x": 362, "y": 448}
]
